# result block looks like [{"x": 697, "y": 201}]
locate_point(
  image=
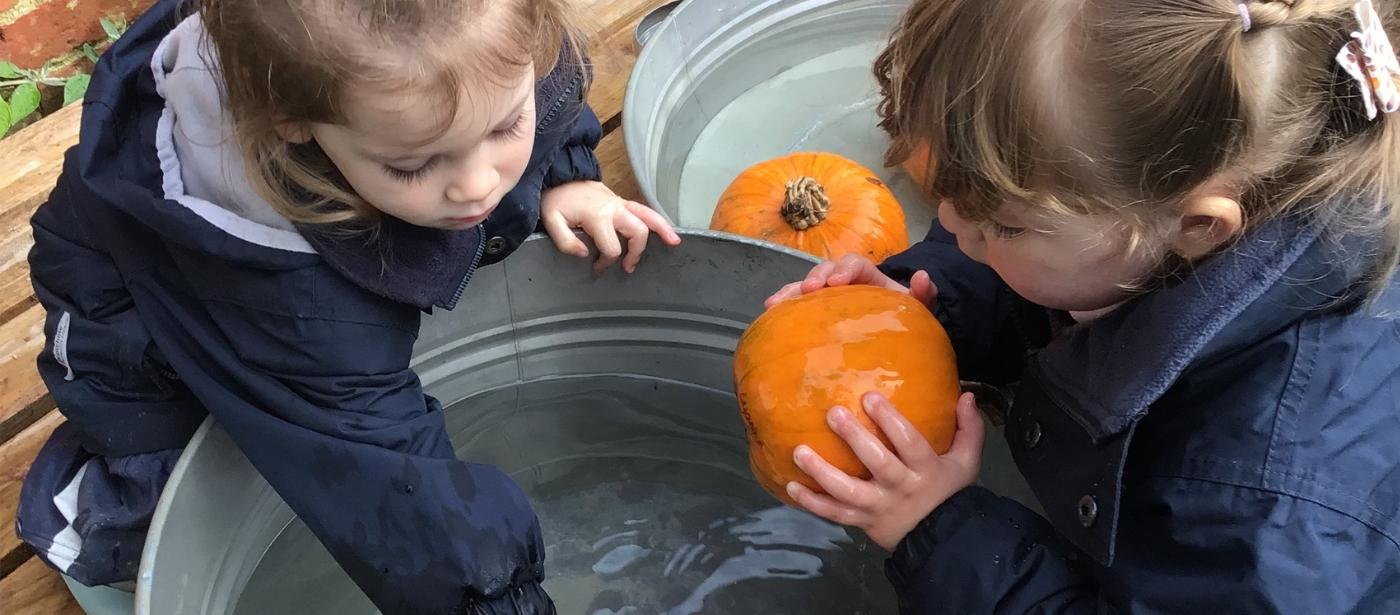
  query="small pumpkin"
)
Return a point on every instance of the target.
[
  {"x": 830, "y": 348},
  {"x": 819, "y": 203},
  {"x": 919, "y": 165}
]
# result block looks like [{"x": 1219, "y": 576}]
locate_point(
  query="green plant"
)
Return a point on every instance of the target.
[
  {"x": 114, "y": 27},
  {"x": 23, "y": 84}
]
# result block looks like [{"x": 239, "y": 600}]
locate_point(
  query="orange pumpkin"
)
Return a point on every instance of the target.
[
  {"x": 822, "y": 204},
  {"x": 919, "y": 165},
  {"x": 830, "y": 348}
]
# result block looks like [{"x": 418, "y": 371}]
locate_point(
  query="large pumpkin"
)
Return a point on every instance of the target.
[
  {"x": 830, "y": 348},
  {"x": 822, "y": 204}
]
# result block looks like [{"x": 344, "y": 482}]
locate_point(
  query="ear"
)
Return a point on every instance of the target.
[
  {"x": 295, "y": 133},
  {"x": 1207, "y": 223}
]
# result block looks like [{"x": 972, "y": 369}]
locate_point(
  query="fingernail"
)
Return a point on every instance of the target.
[
  {"x": 837, "y": 416},
  {"x": 792, "y": 489},
  {"x": 872, "y": 401},
  {"x": 801, "y": 453}
]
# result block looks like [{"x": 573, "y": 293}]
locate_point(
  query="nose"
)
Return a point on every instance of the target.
[{"x": 474, "y": 183}]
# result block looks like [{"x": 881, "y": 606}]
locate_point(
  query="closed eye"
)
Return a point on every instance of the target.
[
  {"x": 412, "y": 175},
  {"x": 515, "y": 131},
  {"x": 1004, "y": 232}
]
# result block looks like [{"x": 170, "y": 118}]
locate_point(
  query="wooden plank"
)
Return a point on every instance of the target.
[
  {"x": 36, "y": 589},
  {"x": 33, "y": 159},
  {"x": 613, "y": 51},
  {"x": 21, "y": 341},
  {"x": 30, "y": 156},
  {"x": 15, "y": 458},
  {"x": 600, "y": 15},
  {"x": 16, "y": 292}
]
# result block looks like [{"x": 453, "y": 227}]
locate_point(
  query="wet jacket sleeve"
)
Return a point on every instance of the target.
[
  {"x": 990, "y": 326},
  {"x": 321, "y": 400},
  {"x": 1187, "y": 547},
  {"x": 575, "y": 160}
]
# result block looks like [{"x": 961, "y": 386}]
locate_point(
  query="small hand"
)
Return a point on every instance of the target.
[
  {"x": 604, "y": 216},
  {"x": 852, "y": 269},
  {"x": 906, "y": 485}
]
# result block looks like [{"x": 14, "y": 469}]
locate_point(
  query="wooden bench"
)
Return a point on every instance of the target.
[{"x": 32, "y": 159}]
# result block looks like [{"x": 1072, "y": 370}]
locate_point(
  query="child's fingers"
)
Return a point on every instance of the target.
[
  {"x": 967, "y": 440},
  {"x": 564, "y": 238},
  {"x": 850, "y": 269},
  {"x": 884, "y": 466},
  {"x": 637, "y": 235},
  {"x": 823, "y": 505},
  {"x": 816, "y": 278},
  {"x": 789, "y": 291},
  {"x": 656, "y": 222},
  {"x": 605, "y": 237},
  {"x": 923, "y": 289},
  {"x": 911, "y": 446},
  {"x": 839, "y": 485}
]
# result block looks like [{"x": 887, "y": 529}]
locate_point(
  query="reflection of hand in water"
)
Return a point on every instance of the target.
[{"x": 776, "y": 543}]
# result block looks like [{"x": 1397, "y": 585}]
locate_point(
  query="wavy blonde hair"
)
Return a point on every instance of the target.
[
  {"x": 1125, "y": 107},
  {"x": 288, "y": 62}
]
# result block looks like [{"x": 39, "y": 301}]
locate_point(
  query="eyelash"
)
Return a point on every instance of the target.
[
  {"x": 412, "y": 176},
  {"x": 1005, "y": 232},
  {"x": 516, "y": 130}
]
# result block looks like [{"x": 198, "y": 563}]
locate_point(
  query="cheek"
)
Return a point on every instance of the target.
[
  {"x": 1068, "y": 277},
  {"x": 404, "y": 200},
  {"x": 515, "y": 157},
  {"x": 381, "y": 190}
]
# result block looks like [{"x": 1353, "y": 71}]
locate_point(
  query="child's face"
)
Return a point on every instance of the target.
[
  {"x": 1078, "y": 265},
  {"x": 396, "y": 156}
]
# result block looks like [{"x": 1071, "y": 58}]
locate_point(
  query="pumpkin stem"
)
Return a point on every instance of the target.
[{"x": 806, "y": 203}]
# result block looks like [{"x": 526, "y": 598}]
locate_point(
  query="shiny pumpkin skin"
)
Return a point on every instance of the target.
[
  {"x": 864, "y": 217},
  {"x": 829, "y": 348}
]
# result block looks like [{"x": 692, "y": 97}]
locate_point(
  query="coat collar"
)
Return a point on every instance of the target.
[{"x": 1108, "y": 372}]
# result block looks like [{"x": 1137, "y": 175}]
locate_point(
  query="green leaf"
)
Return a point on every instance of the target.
[
  {"x": 23, "y": 101},
  {"x": 74, "y": 89},
  {"x": 9, "y": 71},
  {"x": 90, "y": 53},
  {"x": 5, "y": 122},
  {"x": 113, "y": 31}
]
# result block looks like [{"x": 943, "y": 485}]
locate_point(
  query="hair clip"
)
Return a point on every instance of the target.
[{"x": 1370, "y": 60}]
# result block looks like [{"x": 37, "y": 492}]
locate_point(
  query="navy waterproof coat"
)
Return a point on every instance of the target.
[
  {"x": 174, "y": 292},
  {"x": 1227, "y": 444}
]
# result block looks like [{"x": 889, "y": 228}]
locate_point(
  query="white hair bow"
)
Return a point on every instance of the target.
[{"x": 1369, "y": 58}]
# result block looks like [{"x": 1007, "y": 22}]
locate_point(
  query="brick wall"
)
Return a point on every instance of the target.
[{"x": 35, "y": 31}]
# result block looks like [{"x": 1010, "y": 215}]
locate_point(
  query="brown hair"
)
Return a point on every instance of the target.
[
  {"x": 1128, "y": 106},
  {"x": 292, "y": 61}
]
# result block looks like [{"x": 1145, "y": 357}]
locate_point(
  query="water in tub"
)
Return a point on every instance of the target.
[
  {"x": 824, "y": 104},
  {"x": 646, "y": 508}
]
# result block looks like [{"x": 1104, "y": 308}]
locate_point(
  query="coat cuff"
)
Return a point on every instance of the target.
[
  {"x": 573, "y": 163},
  {"x": 524, "y": 599}
]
